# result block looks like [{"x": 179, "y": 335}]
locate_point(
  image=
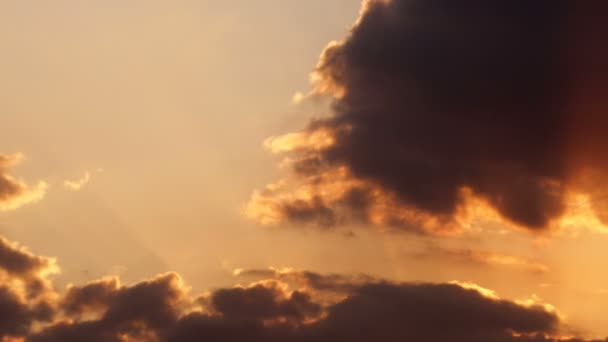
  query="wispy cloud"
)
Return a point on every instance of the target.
[
  {"x": 78, "y": 184},
  {"x": 483, "y": 257}
]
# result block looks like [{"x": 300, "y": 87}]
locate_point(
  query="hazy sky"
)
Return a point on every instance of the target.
[
  {"x": 172, "y": 101},
  {"x": 155, "y": 113}
]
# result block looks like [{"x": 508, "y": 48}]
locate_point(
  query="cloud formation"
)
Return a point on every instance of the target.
[
  {"x": 263, "y": 302},
  {"x": 26, "y": 294},
  {"x": 269, "y": 311},
  {"x": 106, "y": 311},
  {"x": 442, "y": 113},
  {"x": 277, "y": 305},
  {"x": 13, "y": 192}
]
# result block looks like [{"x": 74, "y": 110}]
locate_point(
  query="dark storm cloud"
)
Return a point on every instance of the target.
[
  {"x": 15, "y": 316},
  {"x": 392, "y": 312},
  {"x": 416, "y": 311},
  {"x": 139, "y": 311},
  {"x": 263, "y": 302},
  {"x": 21, "y": 269},
  {"x": 488, "y": 106},
  {"x": 18, "y": 262},
  {"x": 90, "y": 331},
  {"x": 92, "y": 297},
  {"x": 26, "y": 295},
  {"x": 434, "y": 98}
]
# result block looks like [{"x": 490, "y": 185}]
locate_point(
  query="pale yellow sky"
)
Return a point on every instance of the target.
[{"x": 173, "y": 100}]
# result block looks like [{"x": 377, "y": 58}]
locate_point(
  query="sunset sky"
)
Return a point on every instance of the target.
[{"x": 394, "y": 152}]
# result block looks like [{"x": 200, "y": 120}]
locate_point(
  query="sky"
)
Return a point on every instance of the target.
[{"x": 279, "y": 169}]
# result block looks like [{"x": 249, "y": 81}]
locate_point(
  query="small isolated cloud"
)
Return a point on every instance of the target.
[
  {"x": 15, "y": 193},
  {"x": 78, "y": 184},
  {"x": 298, "y": 98}
]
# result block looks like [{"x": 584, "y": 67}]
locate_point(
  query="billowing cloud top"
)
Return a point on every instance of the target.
[{"x": 442, "y": 111}]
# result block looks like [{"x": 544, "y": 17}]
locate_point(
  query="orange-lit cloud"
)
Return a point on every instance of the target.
[
  {"x": 27, "y": 296},
  {"x": 15, "y": 193},
  {"x": 308, "y": 280},
  {"x": 267, "y": 309}
]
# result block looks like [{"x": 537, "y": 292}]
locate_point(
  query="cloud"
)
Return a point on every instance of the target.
[
  {"x": 430, "y": 312},
  {"x": 25, "y": 272},
  {"x": 263, "y": 302},
  {"x": 107, "y": 311},
  {"x": 278, "y": 305},
  {"x": 18, "y": 262},
  {"x": 309, "y": 280},
  {"x": 15, "y": 313},
  {"x": 482, "y": 257},
  {"x": 445, "y": 113},
  {"x": 26, "y": 292},
  {"x": 76, "y": 185},
  {"x": 386, "y": 311},
  {"x": 162, "y": 309},
  {"x": 15, "y": 193},
  {"x": 136, "y": 311},
  {"x": 92, "y": 297}
]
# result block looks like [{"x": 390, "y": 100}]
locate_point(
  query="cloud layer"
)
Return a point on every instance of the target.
[
  {"x": 277, "y": 305},
  {"x": 442, "y": 112}
]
